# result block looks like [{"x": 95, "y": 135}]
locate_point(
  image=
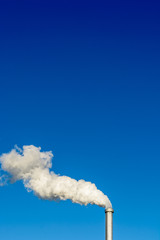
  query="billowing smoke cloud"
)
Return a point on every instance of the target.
[{"x": 33, "y": 167}]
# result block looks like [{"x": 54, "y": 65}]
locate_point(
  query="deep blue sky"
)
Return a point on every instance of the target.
[{"x": 82, "y": 78}]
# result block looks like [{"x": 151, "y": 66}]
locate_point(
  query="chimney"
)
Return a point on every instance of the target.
[{"x": 109, "y": 223}]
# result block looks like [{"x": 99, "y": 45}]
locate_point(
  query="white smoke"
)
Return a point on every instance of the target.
[
  {"x": 3, "y": 180},
  {"x": 33, "y": 167}
]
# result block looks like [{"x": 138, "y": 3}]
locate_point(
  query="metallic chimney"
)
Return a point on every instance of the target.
[{"x": 109, "y": 223}]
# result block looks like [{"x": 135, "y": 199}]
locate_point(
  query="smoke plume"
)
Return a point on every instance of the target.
[{"x": 33, "y": 167}]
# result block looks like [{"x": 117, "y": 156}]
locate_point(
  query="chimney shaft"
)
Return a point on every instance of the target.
[{"x": 109, "y": 223}]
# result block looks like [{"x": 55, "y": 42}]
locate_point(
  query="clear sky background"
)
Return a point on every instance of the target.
[{"x": 82, "y": 78}]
